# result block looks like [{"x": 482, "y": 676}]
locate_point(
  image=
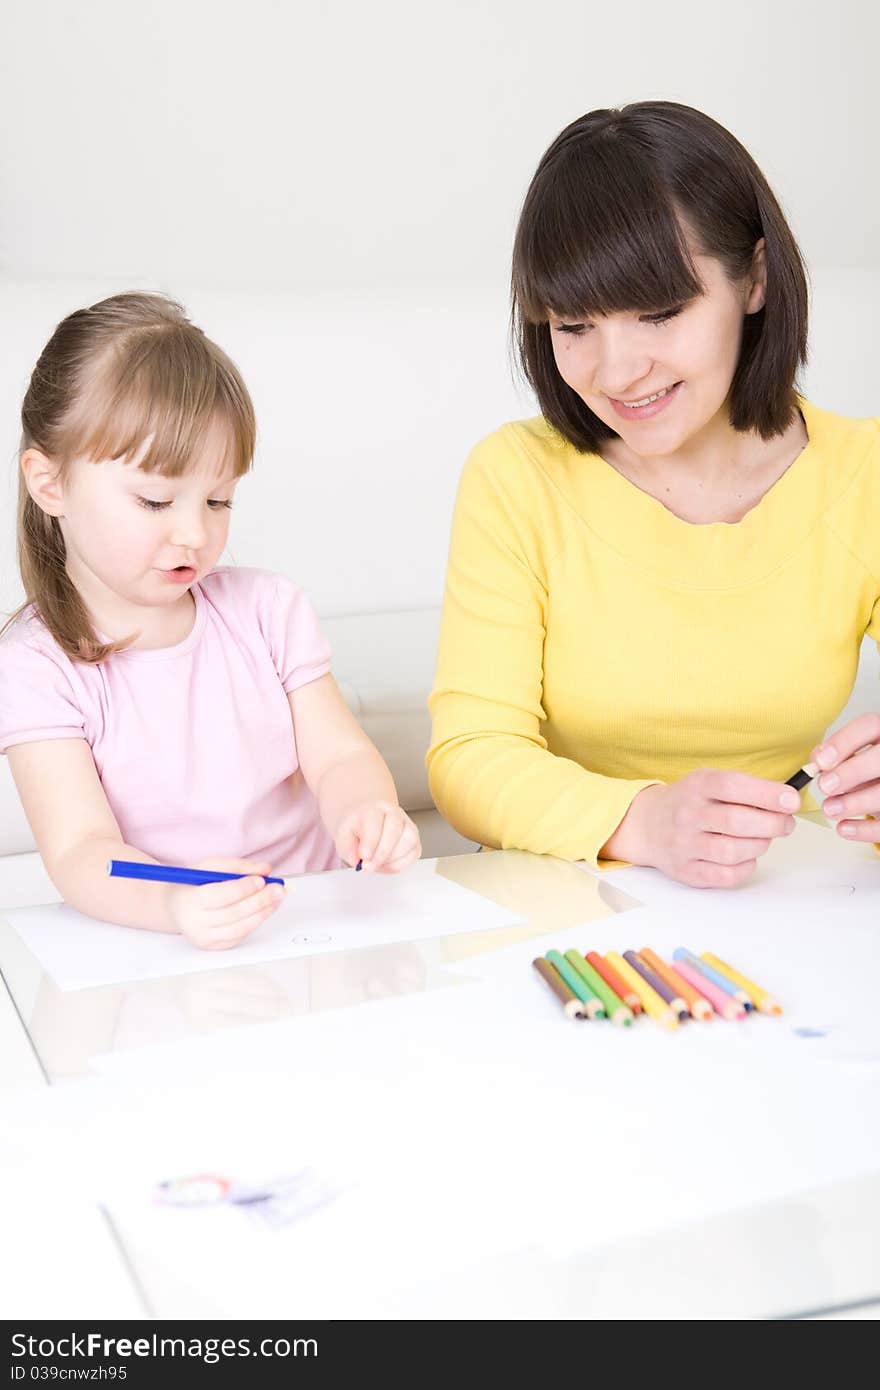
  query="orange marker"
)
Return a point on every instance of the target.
[
  {"x": 611, "y": 977},
  {"x": 655, "y": 1007},
  {"x": 697, "y": 1003}
]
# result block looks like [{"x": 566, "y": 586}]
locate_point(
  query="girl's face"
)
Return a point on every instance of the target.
[
  {"x": 142, "y": 537},
  {"x": 659, "y": 379}
]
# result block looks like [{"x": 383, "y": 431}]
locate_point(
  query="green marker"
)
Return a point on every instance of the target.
[
  {"x": 593, "y": 1005},
  {"x": 617, "y": 1010}
]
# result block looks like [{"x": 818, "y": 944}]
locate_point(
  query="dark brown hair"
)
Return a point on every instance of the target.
[
  {"x": 127, "y": 372},
  {"x": 603, "y": 230}
]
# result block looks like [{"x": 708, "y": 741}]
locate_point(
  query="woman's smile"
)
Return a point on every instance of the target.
[{"x": 645, "y": 407}]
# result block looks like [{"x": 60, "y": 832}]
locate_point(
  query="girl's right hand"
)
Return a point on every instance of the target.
[
  {"x": 216, "y": 916},
  {"x": 708, "y": 830}
]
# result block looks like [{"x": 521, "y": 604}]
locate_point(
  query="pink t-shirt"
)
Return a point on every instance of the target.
[{"x": 194, "y": 744}]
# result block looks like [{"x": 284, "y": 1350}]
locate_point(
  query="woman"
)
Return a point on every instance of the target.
[{"x": 657, "y": 591}]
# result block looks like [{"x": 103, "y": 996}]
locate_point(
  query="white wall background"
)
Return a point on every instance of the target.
[
  {"x": 332, "y": 191},
  {"x": 348, "y": 145}
]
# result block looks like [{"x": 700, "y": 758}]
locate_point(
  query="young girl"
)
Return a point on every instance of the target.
[
  {"x": 154, "y": 707},
  {"x": 658, "y": 590}
]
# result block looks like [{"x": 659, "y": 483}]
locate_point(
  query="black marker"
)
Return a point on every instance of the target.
[{"x": 800, "y": 779}]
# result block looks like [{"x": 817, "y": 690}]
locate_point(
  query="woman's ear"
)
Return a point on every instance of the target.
[
  {"x": 42, "y": 479},
  {"x": 757, "y": 284}
]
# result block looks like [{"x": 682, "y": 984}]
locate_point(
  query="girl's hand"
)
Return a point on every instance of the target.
[
  {"x": 381, "y": 835},
  {"x": 707, "y": 830},
  {"x": 216, "y": 916},
  {"x": 853, "y": 753}
]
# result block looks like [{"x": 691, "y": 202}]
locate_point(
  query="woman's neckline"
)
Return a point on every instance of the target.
[
  {"x": 707, "y": 556},
  {"x": 652, "y": 498}
]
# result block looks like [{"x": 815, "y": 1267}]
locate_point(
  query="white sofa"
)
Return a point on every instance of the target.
[{"x": 367, "y": 409}]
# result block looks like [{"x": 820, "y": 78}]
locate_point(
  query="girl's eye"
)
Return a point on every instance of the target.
[
  {"x": 574, "y": 330},
  {"x": 213, "y": 502}
]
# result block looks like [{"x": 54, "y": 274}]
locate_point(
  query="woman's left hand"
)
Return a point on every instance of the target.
[
  {"x": 850, "y": 777},
  {"x": 379, "y": 834}
]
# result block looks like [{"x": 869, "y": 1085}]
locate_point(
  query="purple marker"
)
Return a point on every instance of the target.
[{"x": 675, "y": 1001}]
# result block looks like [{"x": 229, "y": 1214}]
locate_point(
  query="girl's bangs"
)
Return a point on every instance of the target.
[
  {"x": 594, "y": 240},
  {"x": 159, "y": 399}
]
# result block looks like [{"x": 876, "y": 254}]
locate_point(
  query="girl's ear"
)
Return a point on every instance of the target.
[
  {"x": 757, "y": 291},
  {"x": 43, "y": 481}
]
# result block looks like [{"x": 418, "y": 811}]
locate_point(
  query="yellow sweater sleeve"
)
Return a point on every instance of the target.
[{"x": 491, "y": 772}]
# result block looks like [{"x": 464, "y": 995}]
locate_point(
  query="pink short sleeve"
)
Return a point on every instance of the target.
[
  {"x": 36, "y": 697},
  {"x": 299, "y": 649}
]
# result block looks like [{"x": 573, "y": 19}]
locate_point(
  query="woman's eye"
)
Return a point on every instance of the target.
[
  {"x": 152, "y": 506},
  {"x": 664, "y": 316},
  {"x": 214, "y": 503},
  {"x": 574, "y": 330}
]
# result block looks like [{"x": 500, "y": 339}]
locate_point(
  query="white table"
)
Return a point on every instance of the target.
[{"x": 804, "y": 1252}]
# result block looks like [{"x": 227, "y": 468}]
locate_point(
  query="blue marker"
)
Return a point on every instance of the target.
[
  {"x": 169, "y": 873},
  {"x": 715, "y": 976}
]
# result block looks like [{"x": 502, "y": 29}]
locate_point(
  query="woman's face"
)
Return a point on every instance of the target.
[{"x": 659, "y": 379}]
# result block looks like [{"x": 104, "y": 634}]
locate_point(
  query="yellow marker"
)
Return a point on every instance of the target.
[
  {"x": 652, "y": 1004},
  {"x": 762, "y": 1001}
]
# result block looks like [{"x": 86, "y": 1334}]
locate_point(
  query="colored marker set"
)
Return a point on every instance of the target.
[{"x": 619, "y": 987}]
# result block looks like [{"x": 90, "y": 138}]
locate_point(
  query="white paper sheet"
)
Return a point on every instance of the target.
[
  {"x": 478, "y": 1123},
  {"x": 337, "y": 911},
  {"x": 475, "y": 1123},
  {"x": 441, "y": 1171},
  {"x": 406, "y": 1189},
  {"x": 466, "y": 1125},
  {"x": 812, "y": 872}
]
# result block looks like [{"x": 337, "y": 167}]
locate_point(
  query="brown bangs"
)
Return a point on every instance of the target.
[
  {"x": 618, "y": 205},
  {"x": 600, "y": 235},
  {"x": 157, "y": 394}
]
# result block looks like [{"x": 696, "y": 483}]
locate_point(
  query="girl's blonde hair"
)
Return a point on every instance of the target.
[{"x": 129, "y": 372}]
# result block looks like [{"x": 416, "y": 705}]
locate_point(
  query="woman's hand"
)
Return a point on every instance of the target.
[
  {"x": 379, "y": 834},
  {"x": 216, "y": 916},
  {"x": 853, "y": 753},
  {"x": 707, "y": 830}
]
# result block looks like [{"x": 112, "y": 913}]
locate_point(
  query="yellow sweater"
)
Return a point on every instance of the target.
[{"x": 594, "y": 643}]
